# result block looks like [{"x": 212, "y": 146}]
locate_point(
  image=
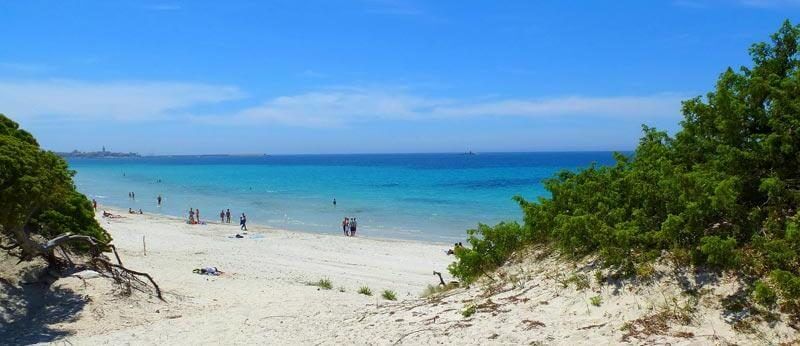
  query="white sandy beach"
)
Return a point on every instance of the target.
[{"x": 264, "y": 296}]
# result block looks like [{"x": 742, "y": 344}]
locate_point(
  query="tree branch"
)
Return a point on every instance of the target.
[{"x": 133, "y": 272}]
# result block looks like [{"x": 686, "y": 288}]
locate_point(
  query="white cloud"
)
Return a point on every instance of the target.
[
  {"x": 343, "y": 106},
  {"x": 338, "y": 106},
  {"x": 614, "y": 106},
  {"x": 331, "y": 107},
  {"x": 122, "y": 100}
]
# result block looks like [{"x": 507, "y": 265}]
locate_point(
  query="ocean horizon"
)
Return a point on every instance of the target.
[{"x": 426, "y": 196}]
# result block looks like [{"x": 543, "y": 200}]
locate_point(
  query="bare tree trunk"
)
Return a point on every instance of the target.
[{"x": 31, "y": 249}]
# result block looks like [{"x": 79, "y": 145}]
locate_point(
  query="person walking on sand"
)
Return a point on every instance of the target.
[
  {"x": 243, "y": 222},
  {"x": 353, "y": 225},
  {"x": 345, "y": 226},
  {"x": 221, "y": 216},
  {"x": 228, "y": 216},
  {"x": 159, "y": 200}
]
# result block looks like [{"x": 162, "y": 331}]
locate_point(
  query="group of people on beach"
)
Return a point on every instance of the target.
[
  {"x": 131, "y": 211},
  {"x": 349, "y": 226},
  {"x": 224, "y": 217},
  {"x": 194, "y": 216}
]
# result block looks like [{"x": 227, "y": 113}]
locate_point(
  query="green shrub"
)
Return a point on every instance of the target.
[
  {"x": 787, "y": 283},
  {"x": 721, "y": 192},
  {"x": 365, "y": 291},
  {"x": 599, "y": 278},
  {"x": 38, "y": 196},
  {"x": 323, "y": 284},
  {"x": 489, "y": 248},
  {"x": 389, "y": 295},
  {"x": 469, "y": 310},
  {"x": 719, "y": 252},
  {"x": 645, "y": 271},
  {"x": 580, "y": 280},
  {"x": 763, "y": 294},
  {"x": 596, "y": 300}
]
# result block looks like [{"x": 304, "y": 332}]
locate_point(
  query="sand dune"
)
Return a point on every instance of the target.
[{"x": 264, "y": 297}]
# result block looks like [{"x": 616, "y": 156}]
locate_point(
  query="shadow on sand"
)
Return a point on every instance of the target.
[{"x": 28, "y": 311}]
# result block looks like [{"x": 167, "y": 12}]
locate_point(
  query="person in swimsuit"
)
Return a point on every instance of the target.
[
  {"x": 94, "y": 204},
  {"x": 345, "y": 226},
  {"x": 191, "y": 216},
  {"x": 159, "y": 200},
  {"x": 228, "y": 216},
  {"x": 353, "y": 225},
  {"x": 243, "y": 222},
  {"x": 222, "y": 216}
]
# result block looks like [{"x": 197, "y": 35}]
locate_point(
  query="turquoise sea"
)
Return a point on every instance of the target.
[{"x": 433, "y": 197}]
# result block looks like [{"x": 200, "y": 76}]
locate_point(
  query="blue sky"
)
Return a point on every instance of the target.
[{"x": 368, "y": 76}]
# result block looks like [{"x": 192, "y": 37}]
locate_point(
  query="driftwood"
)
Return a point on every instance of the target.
[
  {"x": 122, "y": 274},
  {"x": 441, "y": 281},
  {"x": 117, "y": 271}
]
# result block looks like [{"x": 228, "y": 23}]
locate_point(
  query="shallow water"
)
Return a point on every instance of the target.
[{"x": 407, "y": 196}]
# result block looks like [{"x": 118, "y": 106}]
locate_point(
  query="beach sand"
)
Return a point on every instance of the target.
[{"x": 264, "y": 296}]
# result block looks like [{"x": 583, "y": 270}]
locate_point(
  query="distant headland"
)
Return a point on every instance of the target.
[{"x": 96, "y": 154}]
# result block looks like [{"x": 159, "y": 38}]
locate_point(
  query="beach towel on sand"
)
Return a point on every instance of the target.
[{"x": 207, "y": 271}]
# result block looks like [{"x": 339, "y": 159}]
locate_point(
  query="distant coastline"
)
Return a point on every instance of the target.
[{"x": 95, "y": 154}]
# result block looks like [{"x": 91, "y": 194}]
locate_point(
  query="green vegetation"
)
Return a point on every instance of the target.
[
  {"x": 469, "y": 310},
  {"x": 432, "y": 290},
  {"x": 39, "y": 200},
  {"x": 596, "y": 300},
  {"x": 763, "y": 294},
  {"x": 365, "y": 291},
  {"x": 389, "y": 295},
  {"x": 723, "y": 192},
  {"x": 580, "y": 280},
  {"x": 324, "y": 284}
]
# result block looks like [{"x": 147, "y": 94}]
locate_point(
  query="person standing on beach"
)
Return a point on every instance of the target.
[
  {"x": 345, "y": 225},
  {"x": 197, "y": 213},
  {"x": 221, "y": 216},
  {"x": 191, "y": 216},
  {"x": 94, "y": 204},
  {"x": 353, "y": 225},
  {"x": 159, "y": 200},
  {"x": 243, "y": 222},
  {"x": 228, "y": 216}
]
